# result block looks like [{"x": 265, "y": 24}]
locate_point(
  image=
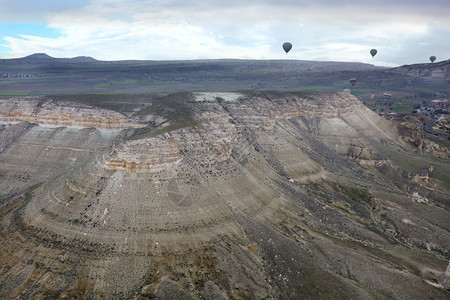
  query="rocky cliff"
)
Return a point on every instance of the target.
[
  {"x": 247, "y": 196},
  {"x": 48, "y": 113},
  {"x": 433, "y": 74}
]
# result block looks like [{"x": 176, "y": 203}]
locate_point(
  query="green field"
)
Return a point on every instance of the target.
[
  {"x": 366, "y": 91},
  {"x": 105, "y": 86},
  {"x": 5, "y": 82},
  {"x": 402, "y": 104},
  {"x": 14, "y": 93},
  {"x": 402, "y": 109},
  {"x": 67, "y": 91},
  {"x": 318, "y": 88},
  {"x": 130, "y": 81},
  {"x": 162, "y": 90}
]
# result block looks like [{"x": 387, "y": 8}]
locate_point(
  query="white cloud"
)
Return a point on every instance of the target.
[{"x": 322, "y": 30}]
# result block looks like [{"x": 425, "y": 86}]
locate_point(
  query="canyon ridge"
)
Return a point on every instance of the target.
[{"x": 218, "y": 195}]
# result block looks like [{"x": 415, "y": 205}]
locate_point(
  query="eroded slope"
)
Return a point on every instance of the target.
[{"x": 264, "y": 195}]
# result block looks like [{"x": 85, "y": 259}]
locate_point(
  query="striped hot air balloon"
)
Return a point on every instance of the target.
[
  {"x": 353, "y": 81},
  {"x": 387, "y": 96}
]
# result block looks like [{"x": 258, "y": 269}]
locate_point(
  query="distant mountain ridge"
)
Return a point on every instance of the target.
[
  {"x": 38, "y": 56},
  {"x": 84, "y": 74},
  {"x": 306, "y": 65},
  {"x": 426, "y": 73},
  {"x": 45, "y": 58},
  {"x": 231, "y": 64}
]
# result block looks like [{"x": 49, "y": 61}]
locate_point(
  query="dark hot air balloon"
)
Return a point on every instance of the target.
[
  {"x": 448, "y": 80},
  {"x": 287, "y": 47},
  {"x": 353, "y": 81},
  {"x": 373, "y": 52},
  {"x": 432, "y": 58}
]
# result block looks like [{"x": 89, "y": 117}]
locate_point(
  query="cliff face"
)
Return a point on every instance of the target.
[
  {"x": 48, "y": 113},
  {"x": 334, "y": 118},
  {"x": 255, "y": 195},
  {"x": 430, "y": 73},
  {"x": 210, "y": 141}
]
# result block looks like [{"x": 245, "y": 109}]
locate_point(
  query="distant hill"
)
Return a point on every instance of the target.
[
  {"x": 426, "y": 73},
  {"x": 43, "y": 58},
  {"x": 85, "y": 74},
  {"x": 83, "y": 59},
  {"x": 230, "y": 65},
  {"x": 38, "y": 56},
  {"x": 442, "y": 64}
]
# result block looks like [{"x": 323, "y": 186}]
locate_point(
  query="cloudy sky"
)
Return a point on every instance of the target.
[{"x": 403, "y": 31}]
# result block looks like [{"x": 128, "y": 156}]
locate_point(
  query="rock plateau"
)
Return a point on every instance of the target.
[{"x": 251, "y": 195}]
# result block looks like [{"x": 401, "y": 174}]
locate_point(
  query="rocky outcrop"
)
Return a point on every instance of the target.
[
  {"x": 48, "y": 113},
  {"x": 148, "y": 155},
  {"x": 428, "y": 73},
  {"x": 412, "y": 131},
  {"x": 210, "y": 141},
  {"x": 444, "y": 278}
]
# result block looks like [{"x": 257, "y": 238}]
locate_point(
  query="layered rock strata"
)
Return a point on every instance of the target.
[
  {"x": 261, "y": 196},
  {"x": 66, "y": 114}
]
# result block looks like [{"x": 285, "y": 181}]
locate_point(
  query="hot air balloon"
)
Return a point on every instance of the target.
[
  {"x": 432, "y": 58},
  {"x": 387, "y": 96},
  {"x": 448, "y": 80},
  {"x": 347, "y": 91},
  {"x": 287, "y": 47},
  {"x": 372, "y": 97},
  {"x": 353, "y": 81},
  {"x": 373, "y": 52}
]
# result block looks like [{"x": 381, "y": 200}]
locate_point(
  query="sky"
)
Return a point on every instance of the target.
[{"x": 403, "y": 31}]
